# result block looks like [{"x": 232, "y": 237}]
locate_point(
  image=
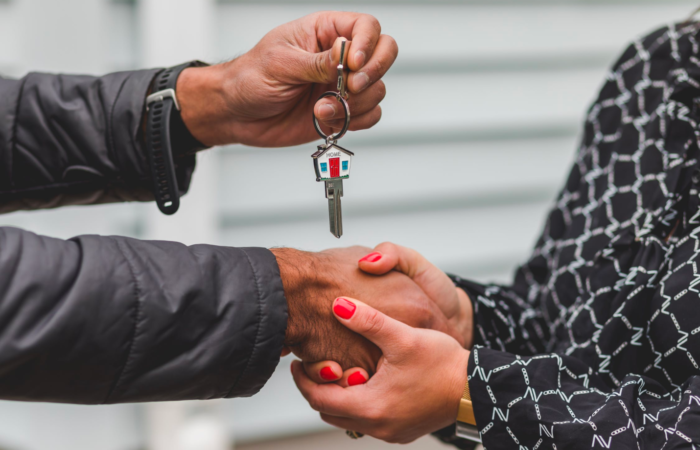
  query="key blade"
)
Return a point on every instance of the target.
[{"x": 334, "y": 192}]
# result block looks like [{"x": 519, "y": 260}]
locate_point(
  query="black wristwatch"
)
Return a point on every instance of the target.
[{"x": 167, "y": 137}]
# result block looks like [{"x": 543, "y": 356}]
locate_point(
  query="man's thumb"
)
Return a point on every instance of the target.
[
  {"x": 379, "y": 328},
  {"x": 322, "y": 67}
]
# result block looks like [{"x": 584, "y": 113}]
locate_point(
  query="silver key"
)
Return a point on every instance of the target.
[
  {"x": 331, "y": 161},
  {"x": 334, "y": 192},
  {"x": 332, "y": 164}
]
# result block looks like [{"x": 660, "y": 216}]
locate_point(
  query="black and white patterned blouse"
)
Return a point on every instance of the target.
[{"x": 596, "y": 344}]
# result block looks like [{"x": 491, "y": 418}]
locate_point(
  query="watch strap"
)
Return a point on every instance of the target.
[
  {"x": 466, "y": 411},
  {"x": 466, "y": 422},
  {"x": 161, "y": 108}
]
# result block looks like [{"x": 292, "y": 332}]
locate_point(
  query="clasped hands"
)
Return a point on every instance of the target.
[
  {"x": 383, "y": 340},
  {"x": 382, "y": 335}
]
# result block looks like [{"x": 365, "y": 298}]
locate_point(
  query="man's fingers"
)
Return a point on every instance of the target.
[
  {"x": 363, "y": 29},
  {"x": 365, "y": 35},
  {"x": 363, "y": 122},
  {"x": 382, "y": 59},
  {"x": 329, "y": 111},
  {"x": 327, "y": 398},
  {"x": 366, "y": 120},
  {"x": 323, "y": 371},
  {"x": 319, "y": 67},
  {"x": 388, "y": 334}
]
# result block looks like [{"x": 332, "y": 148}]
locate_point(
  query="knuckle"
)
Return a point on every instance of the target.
[
  {"x": 387, "y": 435},
  {"x": 381, "y": 90},
  {"x": 374, "y": 414},
  {"x": 317, "y": 404},
  {"x": 378, "y": 69},
  {"x": 393, "y": 45},
  {"x": 318, "y": 68},
  {"x": 387, "y": 247},
  {"x": 374, "y": 23},
  {"x": 373, "y": 323}
]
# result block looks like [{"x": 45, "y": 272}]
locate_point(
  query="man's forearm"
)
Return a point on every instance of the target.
[
  {"x": 52, "y": 155},
  {"x": 112, "y": 320}
]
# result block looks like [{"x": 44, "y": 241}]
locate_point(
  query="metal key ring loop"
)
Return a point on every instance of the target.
[{"x": 341, "y": 133}]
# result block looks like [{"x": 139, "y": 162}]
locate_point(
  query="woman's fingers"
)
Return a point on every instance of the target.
[
  {"x": 433, "y": 281},
  {"x": 328, "y": 398},
  {"x": 345, "y": 423},
  {"x": 324, "y": 371},
  {"x": 390, "y": 335},
  {"x": 353, "y": 377}
]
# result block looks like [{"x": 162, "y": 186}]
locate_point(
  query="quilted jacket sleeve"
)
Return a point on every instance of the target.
[
  {"x": 97, "y": 319},
  {"x": 71, "y": 139}
]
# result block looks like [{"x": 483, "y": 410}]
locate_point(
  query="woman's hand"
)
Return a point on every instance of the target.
[
  {"x": 265, "y": 97},
  {"x": 453, "y": 301},
  {"x": 417, "y": 387}
]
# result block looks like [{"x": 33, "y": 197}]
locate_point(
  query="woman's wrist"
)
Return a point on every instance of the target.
[
  {"x": 467, "y": 319},
  {"x": 460, "y": 381}
]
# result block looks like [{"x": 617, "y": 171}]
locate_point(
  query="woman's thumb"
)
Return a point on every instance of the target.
[{"x": 379, "y": 328}]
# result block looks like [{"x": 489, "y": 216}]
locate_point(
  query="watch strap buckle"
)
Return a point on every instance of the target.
[{"x": 161, "y": 96}]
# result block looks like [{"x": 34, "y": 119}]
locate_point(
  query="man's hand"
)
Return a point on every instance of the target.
[
  {"x": 313, "y": 280},
  {"x": 265, "y": 97}
]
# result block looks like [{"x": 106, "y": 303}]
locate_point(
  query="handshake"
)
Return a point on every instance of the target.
[{"x": 400, "y": 323}]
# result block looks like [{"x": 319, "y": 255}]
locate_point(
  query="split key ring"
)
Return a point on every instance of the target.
[{"x": 346, "y": 125}]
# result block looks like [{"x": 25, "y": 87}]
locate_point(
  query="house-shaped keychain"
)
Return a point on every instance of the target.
[{"x": 332, "y": 162}]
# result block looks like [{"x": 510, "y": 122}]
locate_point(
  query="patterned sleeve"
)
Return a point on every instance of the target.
[
  {"x": 557, "y": 402},
  {"x": 596, "y": 342},
  {"x": 506, "y": 317}
]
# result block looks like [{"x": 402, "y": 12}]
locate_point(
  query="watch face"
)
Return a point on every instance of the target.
[{"x": 468, "y": 432}]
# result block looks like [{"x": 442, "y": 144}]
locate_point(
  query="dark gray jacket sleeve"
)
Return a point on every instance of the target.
[
  {"x": 70, "y": 139},
  {"x": 110, "y": 319}
]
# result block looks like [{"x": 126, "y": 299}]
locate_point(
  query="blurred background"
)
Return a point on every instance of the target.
[{"x": 480, "y": 123}]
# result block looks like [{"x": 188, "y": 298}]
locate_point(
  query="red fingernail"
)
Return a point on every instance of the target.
[
  {"x": 372, "y": 257},
  {"x": 356, "y": 378},
  {"x": 344, "y": 308},
  {"x": 327, "y": 374}
]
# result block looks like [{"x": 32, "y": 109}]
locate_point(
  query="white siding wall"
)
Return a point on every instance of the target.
[{"x": 481, "y": 120}]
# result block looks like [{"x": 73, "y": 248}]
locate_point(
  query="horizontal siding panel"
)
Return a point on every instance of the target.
[
  {"x": 502, "y": 100},
  {"x": 265, "y": 185},
  {"x": 456, "y": 31},
  {"x": 118, "y": 219},
  {"x": 450, "y": 239},
  {"x": 122, "y": 36},
  {"x": 10, "y": 39}
]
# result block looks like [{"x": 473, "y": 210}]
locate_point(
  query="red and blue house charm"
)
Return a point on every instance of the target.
[{"x": 332, "y": 162}]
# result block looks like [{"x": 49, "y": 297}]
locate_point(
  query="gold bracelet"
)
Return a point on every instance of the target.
[{"x": 466, "y": 411}]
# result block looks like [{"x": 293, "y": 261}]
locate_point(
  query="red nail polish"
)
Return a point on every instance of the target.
[
  {"x": 344, "y": 308},
  {"x": 356, "y": 378},
  {"x": 372, "y": 257},
  {"x": 327, "y": 374}
]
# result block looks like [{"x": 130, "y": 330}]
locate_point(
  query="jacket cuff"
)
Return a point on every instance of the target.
[
  {"x": 127, "y": 133},
  {"x": 271, "y": 326}
]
